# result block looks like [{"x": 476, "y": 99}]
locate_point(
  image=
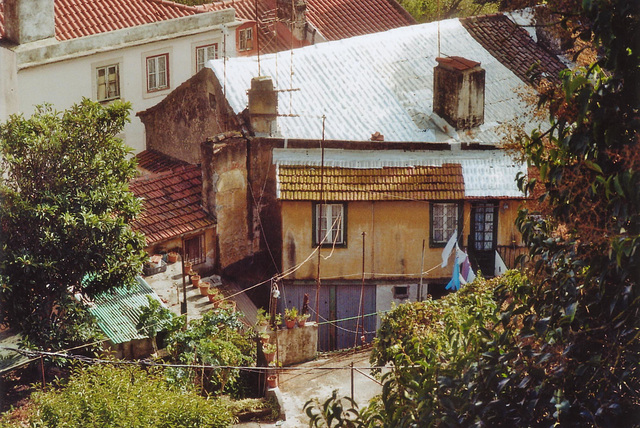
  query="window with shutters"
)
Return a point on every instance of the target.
[
  {"x": 108, "y": 82},
  {"x": 204, "y": 54},
  {"x": 330, "y": 224},
  {"x": 245, "y": 39},
  {"x": 157, "y": 72}
]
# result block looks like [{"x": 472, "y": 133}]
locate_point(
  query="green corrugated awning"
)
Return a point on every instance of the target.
[{"x": 117, "y": 312}]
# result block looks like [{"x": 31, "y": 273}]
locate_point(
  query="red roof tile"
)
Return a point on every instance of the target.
[
  {"x": 2, "y": 32},
  {"x": 339, "y": 19},
  {"x": 512, "y": 46},
  {"x": 155, "y": 162},
  {"x": 79, "y": 18},
  {"x": 375, "y": 184},
  {"x": 172, "y": 204},
  {"x": 334, "y": 19}
]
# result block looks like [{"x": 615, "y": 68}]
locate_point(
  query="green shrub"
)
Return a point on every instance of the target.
[{"x": 107, "y": 396}]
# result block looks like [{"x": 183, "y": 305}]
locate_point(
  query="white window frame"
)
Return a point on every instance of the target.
[
  {"x": 245, "y": 39},
  {"x": 110, "y": 93},
  {"x": 157, "y": 72},
  {"x": 444, "y": 221},
  {"x": 205, "y": 53},
  {"x": 332, "y": 220}
]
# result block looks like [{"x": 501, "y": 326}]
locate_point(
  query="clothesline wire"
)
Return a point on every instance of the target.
[{"x": 148, "y": 363}]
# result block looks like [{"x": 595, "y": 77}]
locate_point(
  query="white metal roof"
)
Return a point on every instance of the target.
[
  {"x": 379, "y": 82},
  {"x": 487, "y": 173}
]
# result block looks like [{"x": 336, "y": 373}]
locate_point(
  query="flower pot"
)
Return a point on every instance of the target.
[
  {"x": 195, "y": 280},
  {"x": 204, "y": 288},
  {"x": 302, "y": 322},
  {"x": 187, "y": 268},
  {"x": 172, "y": 257},
  {"x": 290, "y": 323},
  {"x": 272, "y": 381},
  {"x": 270, "y": 356}
]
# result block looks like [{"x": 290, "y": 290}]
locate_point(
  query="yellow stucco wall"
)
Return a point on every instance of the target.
[{"x": 393, "y": 242}]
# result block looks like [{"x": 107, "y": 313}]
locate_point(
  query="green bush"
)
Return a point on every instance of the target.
[
  {"x": 107, "y": 396},
  {"x": 217, "y": 339}
]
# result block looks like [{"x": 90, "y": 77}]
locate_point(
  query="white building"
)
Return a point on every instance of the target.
[{"x": 58, "y": 51}]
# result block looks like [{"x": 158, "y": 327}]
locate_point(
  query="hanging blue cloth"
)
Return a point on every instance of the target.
[{"x": 454, "y": 284}]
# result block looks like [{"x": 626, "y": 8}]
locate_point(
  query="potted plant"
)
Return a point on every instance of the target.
[
  {"x": 204, "y": 287},
  {"x": 272, "y": 381},
  {"x": 262, "y": 321},
  {"x": 290, "y": 317},
  {"x": 269, "y": 350},
  {"x": 264, "y": 338},
  {"x": 302, "y": 319},
  {"x": 172, "y": 257},
  {"x": 214, "y": 295},
  {"x": 187, "y": 268},
  {"x": 195, "y": 279}
]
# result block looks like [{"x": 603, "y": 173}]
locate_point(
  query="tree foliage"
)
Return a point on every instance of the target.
[
  {"x": 64, "y": 216},
  {"x": 107, "y": 396}
]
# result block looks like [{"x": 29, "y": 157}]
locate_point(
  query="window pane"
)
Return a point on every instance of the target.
[
  {"x": 444, "y": 221},
  {"x": 329, "y": 224}
]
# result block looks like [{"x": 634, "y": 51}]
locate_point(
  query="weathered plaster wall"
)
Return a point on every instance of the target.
[
  {"x": 8, "y": 84},
  {"x": 296, "y": 345},
  {"x": 225, "y": 196},
  {"x": 185, "y": 118},
  {"x": 393, "y": 242}
]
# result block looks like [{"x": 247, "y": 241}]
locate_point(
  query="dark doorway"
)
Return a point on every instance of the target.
[{"x": 484, "y": 236}]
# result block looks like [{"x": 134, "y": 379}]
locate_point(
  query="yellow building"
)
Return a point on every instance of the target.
[{"x": 386, "y": 219}]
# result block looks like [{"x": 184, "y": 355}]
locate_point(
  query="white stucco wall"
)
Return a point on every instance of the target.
[
  {"x": 8, "y": 84},
  {"x": 63, "y": 81},
  {"x": 385, "y": 297}
]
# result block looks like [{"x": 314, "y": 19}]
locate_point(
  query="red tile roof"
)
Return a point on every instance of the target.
[
  {"x": 172, "y": 204},
  {"x": 340, "y": 19},
  {"x": 156, "y": 162},
  {"x": 512, "y": 46},
  {"x": 334, "y": 19},
  {"x": 302, "y": 183},
  {"x": 78, "y": 18},
  {"x": 2, "y": 32}
]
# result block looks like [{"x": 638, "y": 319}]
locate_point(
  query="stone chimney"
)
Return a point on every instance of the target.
[
  {"x": 263, "y": 106},
  {"x": 458, "y": 92},
  {"x": 296, "y": 15},
  {"x": 29, "y": 20}
]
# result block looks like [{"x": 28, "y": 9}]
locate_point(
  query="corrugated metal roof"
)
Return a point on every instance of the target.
[
  {"x": 304, "y": 183},
  {"x": 486, "y": 173},
  {"x": 380, "y": 82},
  {"x": 117, "y": 313}
]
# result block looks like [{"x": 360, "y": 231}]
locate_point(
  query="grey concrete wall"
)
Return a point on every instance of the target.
[
  {"x": 29, "y": 21},
  {"x": 296, "y": 345}
]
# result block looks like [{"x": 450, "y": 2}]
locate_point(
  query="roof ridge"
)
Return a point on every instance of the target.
[
  {"x": 177, "y": 170},
  {"x": 178, "y": 5}
]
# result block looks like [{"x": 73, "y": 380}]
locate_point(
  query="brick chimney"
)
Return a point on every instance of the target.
[
  {"x": 263, "y": 106},
  {"x": 458, "y": 92},
  {"x": 29, "y": 20}
]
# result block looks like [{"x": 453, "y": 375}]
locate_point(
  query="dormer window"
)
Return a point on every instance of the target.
[{"x": 245, "y": 39}]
